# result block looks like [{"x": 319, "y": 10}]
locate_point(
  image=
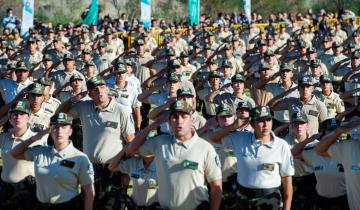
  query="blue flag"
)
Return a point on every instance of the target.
[
  {"x": 194, "y": 11},
  {"x": 93, "y": 13},
  {"x": 146, "y": 12}
]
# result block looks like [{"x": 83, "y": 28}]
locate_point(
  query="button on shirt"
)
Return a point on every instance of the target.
[
  {"x": 259, "y": 165},
  {"x": 59, "y": 173},
  {"x": 144, "y": 180}
]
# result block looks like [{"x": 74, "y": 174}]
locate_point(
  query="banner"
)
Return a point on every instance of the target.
[
  {"x": 93, "y": 13},
  {"x": 194, "y": 11},
  {"x": 247, "y": 9},
  {"x": 146, "y": 13},
  {"x": 27, "y": 16}
]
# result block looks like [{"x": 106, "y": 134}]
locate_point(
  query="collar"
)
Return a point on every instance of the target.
[
  {"x": 329, "y": 96},
  {"x": 188, "y": 143},
  {"x": 110, "y": 107},
  {"x": 24, "y": 137},
  {"x": 39, "y": 113},
  {"x": 63, "y": 153},
  {"x": 269, "y": 144},
  {"x": 311, "y": 102}
]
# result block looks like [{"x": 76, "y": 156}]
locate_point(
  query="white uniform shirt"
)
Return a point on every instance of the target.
[{"x": 260, "y": 166}]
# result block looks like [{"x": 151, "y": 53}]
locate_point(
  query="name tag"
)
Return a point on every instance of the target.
[
  {"x": 124, "y": 95},
  {"x": 355, "y": 168},
  {"x": 268, "y": 166},
  {"x": 190, "y": 164},
  {"x": 48, "y": 110},
  {"x": 135, "y": 176},
  {"x": 318, "y": 168},
  {"x": 111, "y": 124},
  {"x": 67, "y": 163},
  {"x": 313, "y": 113}
]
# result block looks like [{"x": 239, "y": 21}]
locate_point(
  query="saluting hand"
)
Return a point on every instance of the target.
[
  {"x": 78, "y": 97},
  {"x": 346, "y": 127}
]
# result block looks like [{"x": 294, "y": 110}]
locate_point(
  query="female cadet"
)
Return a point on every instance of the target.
[
  {"x": 17, "y": 185},
  {"x": 329, "y": 173},
  {"x": 267, "y": 162},
  {"x": 59, "y": 169}
]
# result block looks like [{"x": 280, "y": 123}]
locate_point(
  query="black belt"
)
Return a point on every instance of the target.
[
  {"x": 74, "y": 203},
  {"x": 26, "y": 183},
  {"x": 256, "y": 193}
]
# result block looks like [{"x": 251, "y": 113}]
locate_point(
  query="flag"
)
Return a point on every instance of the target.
[
  {"x": 93, "y": 13},
  {"x": 247, "y": 9},
  {"x": 194, "y": 11},
  {"x": 146, "y": 13},
  {"x": 27, "y": 16}
]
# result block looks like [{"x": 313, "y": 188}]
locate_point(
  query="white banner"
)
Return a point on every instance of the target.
[
  {"x": 27, "y": 16},
  {"x": 247, "y": 9},
  {"x": 146, "y": 13}
]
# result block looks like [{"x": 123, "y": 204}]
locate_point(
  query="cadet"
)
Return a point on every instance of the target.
[
  {"x": 304, "y": 180},
  {"x": 128, "y": 95},
  {"x": 39, "y": 120},
  {"x": 142, "y": 171},
  {"x": 314, "y": 109},
  {"x": 182, "y": 156},
  {"x": 17, "y": 176},
  {"x": 267, "y": 161},
  {"x": 327, "y": 170},
  {"x": 204, "y": 94},
  {"x": 59, "y": 169},
  {"x": 332, "y": 100},
  {"x": 50, "y": 104},
  {"x": 346, "y": 152},
  {"x": 22, "y": 76},
  {"x": 106, "y": 128},
  {"x": 238, "y": 85}
]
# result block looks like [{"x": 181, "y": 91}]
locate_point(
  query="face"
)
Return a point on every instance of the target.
[
  {"x": 228, "y": 53},
  {"x": 19, "y": 119},
  {"x": 35, "y": 101},
  {"x": 60, "y": 133},
  {"x": 306, "y": 91},
  {"x": 99, "y": 94},
  {"x": 300, "y": 128},
  {"x": 181, "y": 124},
  {"x": 262, "y": 127},
  {"x": 76, "y": 84},
  {"x": 140, "y": 49},
  {"x": 264, "y": 73},
  {"x": 121, "y": 76},
  {"x": 355, "y": 62},
  {"x": 215, "y": 81},
  {"x": 243, "y": 113},
  {"x": 326, "y": 86},
  {"x": 286, "y": 75},
  {"x": 22, "y": 75},
  {"x": 48, "y": 64},
  {"x": 69, "y": 64},
  {"x": 311, "y": 56},
  {"x": 316, "y": 71},
  {"x": 238, "y": 86},
  {"x": 227, "y": 71},
  {"x": 225, "y": 120},
  {"x": 90, "y": 70}
]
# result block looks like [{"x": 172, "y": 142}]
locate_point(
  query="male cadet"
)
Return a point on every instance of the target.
[
  {"x": 236, "y": 62},
  {"x": 205, "y": 94},
  {"x": 347, "y": 153},
  {"x": 238, "y": 85},
  {"x": 107, "y": 127},
  {"x": 277, "y": 88},
  {"x": 101, "y": 57},
  {"x": 314, "y": 109},
  {"x": 140, "y": 71},
  {"x": 39, "y": 119},
  {"x": 50, "y": 104},
  {"x": 182, "y": 156},
  {"x": 332, "y": 100},
  {"x": 17, "y": 184},
  {"x": 58, "y": 52},
  {"x": 22, "y": 76},
  {"x": 31, "y": 55},
  {"x": 46, "y": 64},
  {"x": 187, "y": 68},
  {"x": 62, "y": 77}
]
